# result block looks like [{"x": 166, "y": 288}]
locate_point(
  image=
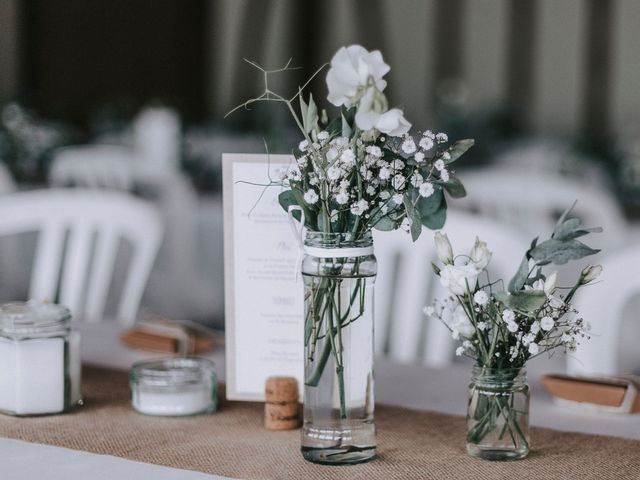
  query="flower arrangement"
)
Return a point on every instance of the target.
[
  {"x": 362, "y": 169},
  {"x": 358, "y": 171},
  {"x": 502, "y": 330}
]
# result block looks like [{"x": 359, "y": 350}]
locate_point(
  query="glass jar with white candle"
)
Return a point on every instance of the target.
[
  {"x": 39, "y": 358},
  {"x": 174, "y": 386}
]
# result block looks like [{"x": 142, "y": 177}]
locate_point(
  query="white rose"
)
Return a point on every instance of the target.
[
  {"x": 350, "y": 71},
  {"x": 443, "y": 248},
  {"x": 457, "y": 278},
  {"x": 480, "y": 255}
]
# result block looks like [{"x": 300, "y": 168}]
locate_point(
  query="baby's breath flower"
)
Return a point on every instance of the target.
[
  {"x": 384, "y": 195},
  {"x": 481, "y": 298},
  {"x": 359, "y": 207},
  {"x": 508, "y": 316},
  {"x": 373, "y": 150},
  {"x": 408, "y": 146},
  {"x": 303, "y": 145},
  {"x": 397, "y": 198},
  {"x": 547, "y": 323},
  {"x": 419, "y": 157},
  {"x": 398, "y": 181},
  {"x": 426, "y": 189},
  {"x": 442, "y": 137},
  {"x": 342, "y": 198},
  {"x": 416, "y": 179},
  {"x": 347, "y": 157},
  {"x": 439, "y": 165},
  {"x": 426, "y": 143},
  {"x": 446, "y": 156},
  {"x": 459, "y": 351},
  {"x": 334, "y": 173},
  {"x": 323, "y": 136},
  {"x": 384, "y": 173},
  {"x": 533, "y": 348},
  {"x": 444, "y": 175},
  {"x": 311, "y": 197}
]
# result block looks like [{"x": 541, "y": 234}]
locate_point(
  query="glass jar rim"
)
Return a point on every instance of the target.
[
  {"x": 487, "y": 375},
  {"x": 338, "y": 240},
  {"x": 33, "y": 318},
  {"x": 172, "y": 372}
]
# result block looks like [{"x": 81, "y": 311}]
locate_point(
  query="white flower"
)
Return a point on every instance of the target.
[
  {"x": 408, "y": 146},
  {"x": 482, "y": 326},
  {"x": 371, "y": 190},
  {"x": 480, "y": 255},
  {"x": 333, "y": 215},
  {"x": 547, "y": 323},
  {"x": 302, "y": 161},
  {"x": 535, "y": 328},
  {"x": 347, "y": 157},
  {"x": 384, "y": 195},
  {"x": 393, "y": 123},
  {"x": 419, "y": 157},
  {"x": 426, "y": 143},
  {"x": 398, "y": 182},
  {"x": 512, "y": 327},
  {"x": 444, "y": 175},
  {"x": 406, "y": 224},
  {"x": 481, "y": 298},
  {"x": 303, "y": 146},
  {"x": 442, "y": 137},
  {"x": 374, "y": 150},
  {"x": 323, "y": 136},
  {"x": 334, "y": 173},
  {"x": 446, "y": 156},
  {"x": 332, "y": 154},
  {"x": 369, "y": 115},
  {"x": 311, "y": 197},
  {"x": 351, "y": 69},
  {"x": 426, "y": 189},
  {"x": 459, "y": 278},
  {"x": 429, "y": 310},
  {"x": 397, "y": 164},
  {"x": 533, "y": 348},
  {"x": 508, "y": 316},
  {"x": 459, "y": 322},
  {"x": 443, "y": 248},
  {"x": 590, "y": 273},
  {"x": 566, "y": 338},
  {"x": 359, "y": 207},
  {"x": 313, "y": 180},
  {"x": 459, "y": 351},
  {"x": 398, "y": 198},
  {"x": 342, "y": 197},
  {"x": 439, "y": 164},
  {"x": 416, "y": 179},
  {"x": 384, "y": 173},
  {"x": 527, "y": 339}
]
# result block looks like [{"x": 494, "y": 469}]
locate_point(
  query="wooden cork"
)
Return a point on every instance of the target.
[{"x": 281, "y": 409}]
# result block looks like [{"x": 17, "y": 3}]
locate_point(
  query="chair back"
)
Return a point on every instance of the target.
[
  {"x": 80, "y": 232},
  {"x": 406, "y": 283},
  {"x": 603, "y": 305}
]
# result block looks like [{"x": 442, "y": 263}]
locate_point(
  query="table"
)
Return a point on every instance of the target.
[{"x": 409, "y": 386}]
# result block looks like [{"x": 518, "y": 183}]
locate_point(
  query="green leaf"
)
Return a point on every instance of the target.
[
  {"x": 286, "y": 199},
  {"x": 436, "y": 269},
  {"x": 310, "y": 119},
  {"x": 526, "y": 302},
  {"x": 430, "y": 205},
  {"x": 455, "y": 188},
  {"x": 436, "y": 220},
  {"x": 519, "y": 279},
  {"x": 459, "y": 148},
  {"x": 346, "y": 128},
  {"x": 560, "y": 252},
  {"x": 385, "y": 224}
]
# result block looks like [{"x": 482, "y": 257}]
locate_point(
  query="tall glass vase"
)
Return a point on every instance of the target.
[
  {"x": 498, "y": 414},
  {"x": 339, "y": 274}
]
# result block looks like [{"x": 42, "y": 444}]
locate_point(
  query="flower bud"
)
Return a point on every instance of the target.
[
  {"x": 590, "y": 273},
  {"x": 480, "y": 255},
  {"x": 550, "y": 283},
  {"x": 443, "y": 248}
]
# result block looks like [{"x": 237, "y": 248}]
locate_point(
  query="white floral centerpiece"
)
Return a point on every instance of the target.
[
  {"x": 363, "y": 169},
  {"x": 501, "y": 330}
]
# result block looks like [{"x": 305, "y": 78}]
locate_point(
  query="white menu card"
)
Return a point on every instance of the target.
[{"x": 263, "y": 294}]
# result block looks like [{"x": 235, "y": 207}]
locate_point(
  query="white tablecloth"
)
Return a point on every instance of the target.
[{"x": 412, "y": 386}]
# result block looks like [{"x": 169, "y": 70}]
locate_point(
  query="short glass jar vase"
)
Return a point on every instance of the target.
[
  {"x": 174, "y": 387},
  {"x": 498, "y": 414},
  {"x": 39, "y": 358}
]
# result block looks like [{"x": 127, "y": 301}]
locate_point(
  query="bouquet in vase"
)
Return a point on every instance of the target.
[
  {"x": 363, "y": 169},
  {"x": 503, "y": 329}
]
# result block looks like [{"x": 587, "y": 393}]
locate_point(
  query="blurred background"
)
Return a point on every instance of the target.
[{"x": 131, "y": 95}]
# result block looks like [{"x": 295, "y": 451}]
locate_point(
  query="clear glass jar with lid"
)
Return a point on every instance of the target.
[{"x": 40, "y": 358}]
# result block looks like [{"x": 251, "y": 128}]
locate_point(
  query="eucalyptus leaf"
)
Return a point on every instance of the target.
[
  {"x": 346, "y": 128},
  {"x": 459, "y": 148},
  {"x": 526, "y": 302},
  {"x": 436, "y": 220},
  {"x": 455, "y": 188},
  {"x": 385, "y": 224},
  {"x": 429, "y": 205},
  {"x": 560, "y": 252},
  {"x": 520, "y": 278}
]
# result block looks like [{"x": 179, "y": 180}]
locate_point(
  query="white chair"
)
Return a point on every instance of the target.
[
  {"x": 79, "y": 237},
  {"x": 406, "y": 283},
  {"x": 533, "y": 201},
  {"x": 603, "y": 306}
]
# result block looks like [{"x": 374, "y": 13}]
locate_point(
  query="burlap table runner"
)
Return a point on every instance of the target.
[{"x": 232, "y": 442}]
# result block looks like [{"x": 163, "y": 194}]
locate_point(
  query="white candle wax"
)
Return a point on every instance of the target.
[
  {"x": 32, "y": 376},
  {"x": 195, "y": 399}
]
